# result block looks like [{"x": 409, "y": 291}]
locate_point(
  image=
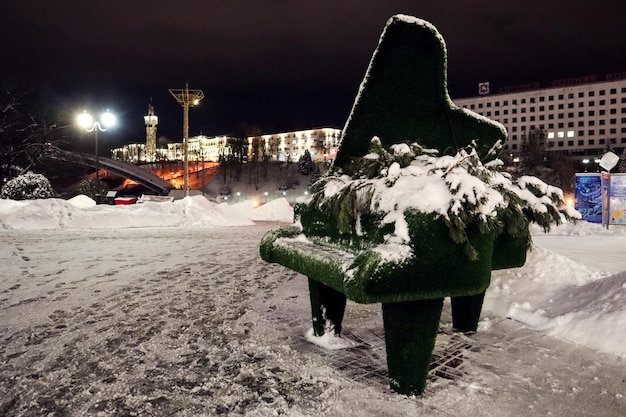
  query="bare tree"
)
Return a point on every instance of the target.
[
  {"x": 26, "y": 136},
  {"x": 238, "y": 148}
]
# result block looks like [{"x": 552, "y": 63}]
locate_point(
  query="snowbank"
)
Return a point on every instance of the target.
[
  {"x": 81, "y": 212},
  {"x": 562, "y": 296}
]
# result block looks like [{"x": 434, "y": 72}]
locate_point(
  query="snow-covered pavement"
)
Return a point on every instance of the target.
[{"x": 187, "y": 320}]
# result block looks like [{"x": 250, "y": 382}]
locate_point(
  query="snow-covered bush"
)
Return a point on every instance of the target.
[
  {"x": 29, "y": 186},
  {"x": 89, "y": 188},
  {"x": 458, "y": 189}
]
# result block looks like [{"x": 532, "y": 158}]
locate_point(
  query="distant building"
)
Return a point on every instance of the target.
[
  {"x": 201, "y": 148},
  {"x": 582, "y": 117},
  {"x": 322, "y": 143}
]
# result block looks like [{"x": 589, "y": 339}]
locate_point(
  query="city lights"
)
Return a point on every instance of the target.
[{"x": 89, "y": 124}]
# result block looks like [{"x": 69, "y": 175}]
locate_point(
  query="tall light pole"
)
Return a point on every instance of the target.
[
  {"x": 87, "y": 122},
  {"x": 186, "y": 98}
]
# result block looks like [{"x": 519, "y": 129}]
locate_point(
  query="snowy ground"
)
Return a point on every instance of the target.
[{"x": 104, "y": 313}]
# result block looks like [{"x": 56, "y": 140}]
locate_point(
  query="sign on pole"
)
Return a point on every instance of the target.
[{"x": 606, "y": 186}]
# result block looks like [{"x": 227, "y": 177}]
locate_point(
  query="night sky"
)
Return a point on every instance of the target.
[{"x": 282, "y": 65}]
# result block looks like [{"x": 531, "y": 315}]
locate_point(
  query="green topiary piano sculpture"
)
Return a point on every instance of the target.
[{"x": 414, "y": 208}]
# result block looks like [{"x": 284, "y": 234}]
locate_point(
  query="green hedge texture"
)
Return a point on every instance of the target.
[
  {"x": 410, "y": 334},
  {"x": 466, "y": 312},
  {"x": 509, "y": 251},
  {"x": 327, "y": 308},
  {"x": 429, "y": 273},
  {"x": 404, "y": 97}
]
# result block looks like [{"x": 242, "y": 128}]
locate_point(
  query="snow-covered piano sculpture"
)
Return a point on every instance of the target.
[{"x": 414, "y": 208}]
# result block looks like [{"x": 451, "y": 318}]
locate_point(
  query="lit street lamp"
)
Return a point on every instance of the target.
[
  {"x": 186, "y": 98},
  {"x": 586, "y": 163},
  {"x": 87, "y": 122}
]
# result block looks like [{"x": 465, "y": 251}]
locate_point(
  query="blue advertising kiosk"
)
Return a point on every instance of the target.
[
  {"x": 616, "y": 207},
  {"x": 601, "y": 197},
  {"x": 588, "y": 194},
  {"x": 613, "y": 192}
]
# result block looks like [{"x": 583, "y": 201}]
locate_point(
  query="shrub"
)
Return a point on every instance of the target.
[
  {"x": 306, "y": 164},
  {"x": 29, "y": 186},
  {"x": 90, "y": 189}
]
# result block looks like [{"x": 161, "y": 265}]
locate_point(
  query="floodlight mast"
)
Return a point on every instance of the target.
[{"x": 186, "y": 98}]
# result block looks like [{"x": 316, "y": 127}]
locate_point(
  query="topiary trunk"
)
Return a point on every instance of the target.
[
  {"x": 327, "y": 308},
  {"x": 410, "y": 332},
  {"x": 466, "y": 312},
  {"x": 509, "y": 251}
]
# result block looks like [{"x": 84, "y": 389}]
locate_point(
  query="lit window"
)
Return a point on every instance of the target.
[
  {"x": 561, "y": 134},
  {"x": 550, "y": 135},
  {"x": 570, "y": 133}
]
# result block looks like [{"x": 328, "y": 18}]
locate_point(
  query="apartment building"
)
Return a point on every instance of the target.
[
  {"x": 322, "y": 144},
  {"x": 582, "y": 117}
]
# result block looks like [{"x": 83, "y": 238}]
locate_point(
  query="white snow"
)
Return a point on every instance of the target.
[
  {"x": 106, "y": 301},
  {"x": 529, "y": 294},
  {"x": 562, "y": 295},
  {"x": 459, "y": 188},
  {"x": 81, "y": 212},
  {"x": 329, "y": 340}
]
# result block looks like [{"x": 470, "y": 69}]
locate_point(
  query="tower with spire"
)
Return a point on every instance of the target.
[{"x": 151, "y": 128}]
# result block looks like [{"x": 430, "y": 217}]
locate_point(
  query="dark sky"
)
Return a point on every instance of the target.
[{"x": 283, "y": 65}]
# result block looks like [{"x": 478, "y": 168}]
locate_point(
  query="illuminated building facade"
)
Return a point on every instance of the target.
[
  {"x": 322, "y": 143},
  {"x": 582, "y": 117}
]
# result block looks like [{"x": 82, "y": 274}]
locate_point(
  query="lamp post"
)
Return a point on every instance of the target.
[
  {"x": 186, "y": 98},
  {"x": 202, "y": 157},
  {"x": 585, "y": 163},
  {"x": 87, "y": 122}
]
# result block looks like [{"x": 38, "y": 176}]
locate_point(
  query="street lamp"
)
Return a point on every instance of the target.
[
  {"x": 87, "y": 122},
  {"x": 586, "y": 162},
  {"x": 186, "y": 98}
]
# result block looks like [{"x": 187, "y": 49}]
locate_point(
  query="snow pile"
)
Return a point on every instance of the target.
[
  {"x": 278, "y": 210},
  {"x": 583, "y": 229},
  {"x": 81, "y": 212},
  {"x": 82, "y": 201},
  {"x": 329, "y": 340},
  {"x": 562, "y": 297}
]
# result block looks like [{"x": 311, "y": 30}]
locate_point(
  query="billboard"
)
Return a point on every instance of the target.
[
  {"x": 588, "y": 195},
  {"x": 617, "y": 199}
]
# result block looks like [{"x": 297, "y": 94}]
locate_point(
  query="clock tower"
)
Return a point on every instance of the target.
[{"x": 151, "y": 127}]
